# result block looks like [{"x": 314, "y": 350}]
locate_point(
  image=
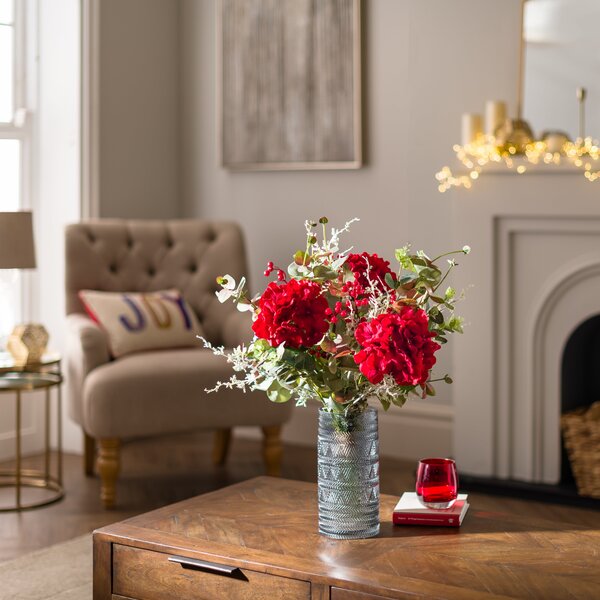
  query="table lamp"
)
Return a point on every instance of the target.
[{"x": 27, "y": 342}]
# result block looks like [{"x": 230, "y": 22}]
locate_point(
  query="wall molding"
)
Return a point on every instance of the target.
[{"x": 90, "y": 109}]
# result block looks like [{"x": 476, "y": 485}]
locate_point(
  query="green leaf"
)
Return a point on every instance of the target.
[
  {"x": 436, "y": 316},
  {"x": 455, "y": 324},
  {"x": 429, "y": 389},
  {"x": 298, "y": 271},
  {"x": 429, "y": 274},
  {"x": 399, "y": 400},
  {"x": 301, "y": 258},
  {"x": 405, "y": 279},
  {"x": 277, "y": 393},
  {"x": 260, "y": 345},
  {"x": 419, "y": 262},
  {"x": 390, "y": 280},
  {"x": 323, "y": 272},
  {"x": 403, "y": 257}
]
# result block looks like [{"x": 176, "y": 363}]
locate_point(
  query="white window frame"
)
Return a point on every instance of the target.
[{"x": 22, "y": 125}]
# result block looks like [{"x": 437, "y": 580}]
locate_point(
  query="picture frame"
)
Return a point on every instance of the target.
[{"x": 289, "y": 84}]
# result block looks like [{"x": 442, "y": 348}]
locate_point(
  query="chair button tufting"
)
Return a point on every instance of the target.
[
  {"x": 170, "y": 243},
  {"x": 113, "y": 268},
  {"x": 130, "y": 243},
  {"x": 151, "y": 272},
  {"x": 193, "y": 268}
]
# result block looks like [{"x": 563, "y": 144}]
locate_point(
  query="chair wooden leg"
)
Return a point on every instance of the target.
[
  {"x": 108, "y": 469},
  {"x": 221, "y": 446},
  {"x": 89, "y": 454},
  {"x": 272, "y": 449}
]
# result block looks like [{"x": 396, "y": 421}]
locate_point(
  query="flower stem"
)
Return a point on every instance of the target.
[
  {"x": 447, "y": 254},
  {"x": 444, "y": 277}
]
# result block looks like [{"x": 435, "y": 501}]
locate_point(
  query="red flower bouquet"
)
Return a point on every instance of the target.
[{"x": 343, "y": 327}]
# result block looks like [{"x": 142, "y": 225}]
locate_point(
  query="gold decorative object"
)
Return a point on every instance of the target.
[
  {"x": 515, "y": 133},
  {"x": 513, "y": 143},
  {"x": 555, "y": 140},
  {"x": 27, "y": 343}
]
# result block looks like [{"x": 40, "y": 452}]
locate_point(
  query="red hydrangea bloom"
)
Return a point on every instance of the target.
[
  {"x": 396, "y": 344},
  {"x": 368, "y": 269},
  {"x": 292, "y": 313}
]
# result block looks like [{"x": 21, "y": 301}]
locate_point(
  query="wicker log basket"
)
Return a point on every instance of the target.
[{"x": 581, "y": 434}]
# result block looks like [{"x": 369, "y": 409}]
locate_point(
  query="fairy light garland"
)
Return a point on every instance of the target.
[{"x": 583, "y": 154}]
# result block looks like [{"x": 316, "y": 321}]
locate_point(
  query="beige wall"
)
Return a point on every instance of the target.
[
  {"x": 425, "y": 63},
  {"x": 139, "y": 99}
]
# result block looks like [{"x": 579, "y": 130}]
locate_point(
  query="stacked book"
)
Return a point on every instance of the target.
[{"x": 409, "y": 511}]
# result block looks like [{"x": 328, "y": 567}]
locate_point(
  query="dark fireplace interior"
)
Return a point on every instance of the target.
[{"x": 580, "y": 378}]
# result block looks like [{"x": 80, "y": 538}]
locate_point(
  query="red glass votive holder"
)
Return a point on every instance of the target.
[{"x": 437, "y": 482}]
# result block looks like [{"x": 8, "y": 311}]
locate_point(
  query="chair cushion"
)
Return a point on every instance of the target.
[
  {"x": 159, "y": 392},
  {"x": 135, "y": 322}
]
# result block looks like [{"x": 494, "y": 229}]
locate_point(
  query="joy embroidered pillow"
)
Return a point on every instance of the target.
[{"x": 142, "y": 321}]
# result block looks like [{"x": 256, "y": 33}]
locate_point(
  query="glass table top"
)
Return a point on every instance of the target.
[
  {"x": 11, "y": 382},
  {"x": 7, "y": 362}
]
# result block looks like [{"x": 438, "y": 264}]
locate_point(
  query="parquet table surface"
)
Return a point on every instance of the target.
[{"x": 268, "y": 526}]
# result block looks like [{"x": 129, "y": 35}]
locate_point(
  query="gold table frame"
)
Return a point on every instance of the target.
[{"x": 15, "y": 379}]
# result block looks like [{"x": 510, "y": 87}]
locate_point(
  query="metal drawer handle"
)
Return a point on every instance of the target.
[{"x": 204, "y": 565}]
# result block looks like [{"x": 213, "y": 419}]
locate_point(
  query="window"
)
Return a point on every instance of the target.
[{"x": 15, "y": 134}]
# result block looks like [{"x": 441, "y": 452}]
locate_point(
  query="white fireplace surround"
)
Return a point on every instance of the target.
[{"x": 536, "y": 273}]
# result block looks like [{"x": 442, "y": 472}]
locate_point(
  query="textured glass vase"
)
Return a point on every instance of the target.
[{"x": 348, "y": 475}]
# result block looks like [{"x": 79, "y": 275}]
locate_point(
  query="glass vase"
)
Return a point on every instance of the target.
[{"x": 348, "y": 475}]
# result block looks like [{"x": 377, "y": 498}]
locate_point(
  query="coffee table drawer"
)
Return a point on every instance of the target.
[{"x": 147, "y": 575}]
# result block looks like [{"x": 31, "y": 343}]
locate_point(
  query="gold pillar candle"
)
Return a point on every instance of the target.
[
  {"x": 471, "y": 128},
  {"x": 495, "y": 116}
]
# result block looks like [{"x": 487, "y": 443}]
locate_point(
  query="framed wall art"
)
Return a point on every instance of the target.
[{"x": 289, "y": 84}]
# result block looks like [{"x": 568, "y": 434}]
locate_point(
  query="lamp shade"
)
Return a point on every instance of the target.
[{"x": 16, "y": 240}]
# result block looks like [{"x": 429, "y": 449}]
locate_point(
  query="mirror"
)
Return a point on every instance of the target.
[{"x": 562, "y": 53}]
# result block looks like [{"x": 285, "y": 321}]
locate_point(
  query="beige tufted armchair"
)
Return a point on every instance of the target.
[{"x": 158, "y": 392}]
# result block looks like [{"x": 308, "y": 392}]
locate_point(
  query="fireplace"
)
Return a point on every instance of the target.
[
  {"x": 532, "y": 311},
  {"x": 580, "y": 378}
]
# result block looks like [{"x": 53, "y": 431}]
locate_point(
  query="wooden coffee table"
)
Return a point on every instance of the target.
[{"x": 258, "y": 540}]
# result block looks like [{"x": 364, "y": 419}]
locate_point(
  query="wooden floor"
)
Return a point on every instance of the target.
[{"x": 160, "y": 472}]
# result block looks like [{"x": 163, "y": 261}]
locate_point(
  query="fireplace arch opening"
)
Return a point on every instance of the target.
[{"x": 580, "y": 377}]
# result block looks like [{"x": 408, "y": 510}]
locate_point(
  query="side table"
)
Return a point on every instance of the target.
[{"x": 16, "y": 380}]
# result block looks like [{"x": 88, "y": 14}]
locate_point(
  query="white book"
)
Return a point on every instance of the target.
[{"x": 409, "y": 502}]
